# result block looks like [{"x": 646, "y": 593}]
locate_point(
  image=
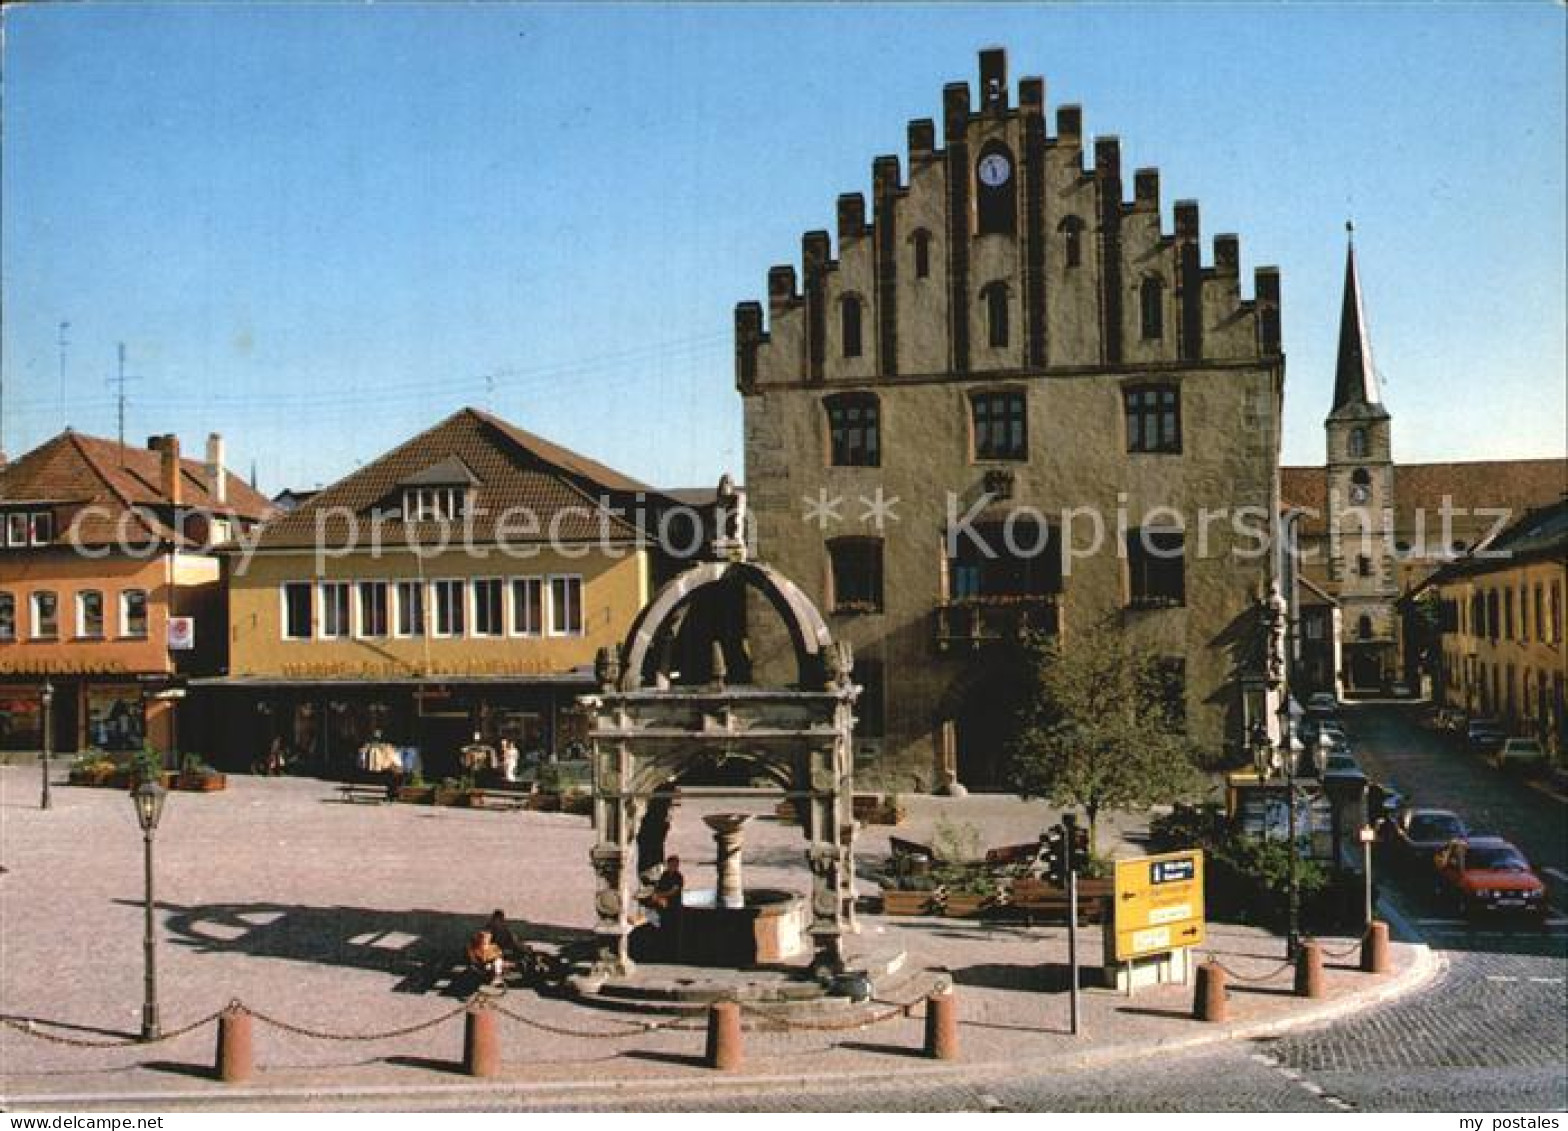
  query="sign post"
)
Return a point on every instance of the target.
[
  {"x": 1158, "y": 914},
  {"x": 1069, "y": 820}
]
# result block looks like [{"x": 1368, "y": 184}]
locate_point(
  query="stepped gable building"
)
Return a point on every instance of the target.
[
  {"x": 935, "y": 404},
  {"x": 461, "y": 583},
  {"x": 109, "y": 588},
  {"x": 1369, "y": 530}
]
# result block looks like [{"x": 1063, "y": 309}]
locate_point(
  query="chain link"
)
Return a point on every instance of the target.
[
  {"x": 384, "y": 1035},
  {"x": 633, "y": 1028},
  {"x": 1280, "y": 969},
  {"x": 28, "y": 1026},
  {"x": 1336, "y": 954}
]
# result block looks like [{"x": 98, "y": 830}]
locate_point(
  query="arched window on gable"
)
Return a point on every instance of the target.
[
  {"x": 849, "y": 324},
  {"x": 994, "y": 295},
  {"x": 1071, "y": 229},
  {"x": 1151, "y": 304},
  {"x": 921, "y": 239}
]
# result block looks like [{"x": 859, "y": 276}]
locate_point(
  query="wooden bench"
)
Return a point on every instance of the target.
[
  {"x": 502, "y": 799},
  {"x": 362, "y": 792},
  {"x": 1037, "y": 900}
]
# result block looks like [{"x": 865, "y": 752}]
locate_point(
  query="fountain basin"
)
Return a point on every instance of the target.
[{"x": 769, "y": 927}]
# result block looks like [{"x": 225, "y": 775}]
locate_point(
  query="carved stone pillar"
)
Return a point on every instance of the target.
[{"x": 728, "y": 839}]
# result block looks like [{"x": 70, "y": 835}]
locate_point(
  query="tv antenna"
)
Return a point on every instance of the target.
[
  {"x": 119, "y": 380},
  {"x": 65, "y": 403}
]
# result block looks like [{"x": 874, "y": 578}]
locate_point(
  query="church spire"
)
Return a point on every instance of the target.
[{"x": 1355, "y": 380}]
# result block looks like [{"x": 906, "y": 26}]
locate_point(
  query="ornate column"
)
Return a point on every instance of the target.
[{"x": 728, "y": 838}]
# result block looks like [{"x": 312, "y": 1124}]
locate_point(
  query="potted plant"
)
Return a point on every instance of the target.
[
  {"x": 966, "y": 893},
  {"x": 197, "y": 777},
  {"x": 416, "y": 791},
  {"x": 93, "y": 768},
  {"x": 578, "y": 802},
  {"x": 449, "y": 792}
]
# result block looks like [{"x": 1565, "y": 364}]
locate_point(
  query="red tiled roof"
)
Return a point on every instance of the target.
[
  {"x": 73, "y": 470},
  {"x": 515, "y": 470},
  {"x": 1514, "y": 485}
]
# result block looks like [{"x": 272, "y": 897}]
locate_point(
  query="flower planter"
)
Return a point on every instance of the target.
[
  {"x": 444, "y": 796},
  {"x": 895, "y": 902},
  {"x": 545, "y": 802},
  {"x": 201, "y": 783},
  {"x": 965, "y": 905},
  {"x": 416, "y": 794}
]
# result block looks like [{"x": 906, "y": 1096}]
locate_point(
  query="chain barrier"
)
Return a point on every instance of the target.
[
  {"x": 633, "y": 1028},
  {"x": 481, "y": 1000},
  {"x": 1272, "y": 974},
  {"x": 1353, "y": 948},
  {"x": 29, "y": 1026},
  {"x": 385, "y": 1035}
]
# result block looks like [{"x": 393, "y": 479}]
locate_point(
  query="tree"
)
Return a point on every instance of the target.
[{"x": 1102, "y": 728}]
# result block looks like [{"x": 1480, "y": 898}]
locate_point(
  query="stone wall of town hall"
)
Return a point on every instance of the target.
[{"x": 1093, "y": 297}]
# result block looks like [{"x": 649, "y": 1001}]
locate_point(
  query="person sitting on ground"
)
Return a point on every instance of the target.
[
  {"x": 486, "y": 957},
  {"x": 666, "y": 894}
]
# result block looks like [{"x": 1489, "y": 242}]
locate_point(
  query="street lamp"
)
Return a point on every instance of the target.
[
  {"x": 148, "y": 799},
  {"x": 47, "y": 698},
  {"x": 1367, "y": 835},
  {"x": 1288, "y": 756}
]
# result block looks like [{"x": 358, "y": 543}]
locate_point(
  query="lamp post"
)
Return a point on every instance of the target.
[
  {"x": 148, "y": 798},
  {"x": 47, "y": 698},
  {"x": 1367, "y": 835},
  {"x": 1293, "y": 886}
]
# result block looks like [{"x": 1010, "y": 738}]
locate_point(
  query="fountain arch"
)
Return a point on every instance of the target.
[{"x": 645, "y": 731}]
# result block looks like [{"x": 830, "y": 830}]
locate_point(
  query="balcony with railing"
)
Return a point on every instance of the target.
[{"x": 985, "y": 621}]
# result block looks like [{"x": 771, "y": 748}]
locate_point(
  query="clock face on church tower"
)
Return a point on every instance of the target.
[{"x": 995, "y": 169}]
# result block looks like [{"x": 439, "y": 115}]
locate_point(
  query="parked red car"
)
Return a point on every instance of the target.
[{"x": 1486, "y": 873}]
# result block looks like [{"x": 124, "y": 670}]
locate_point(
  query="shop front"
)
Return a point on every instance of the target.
[{"x": 320, "y": 726}]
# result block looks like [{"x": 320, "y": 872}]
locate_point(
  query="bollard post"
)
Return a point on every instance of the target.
[
  {"x": 1209, "y": 1001},
  {"x": 1309, "y": 970},
  {"x": 481, "y": 1043},
  {"x": 726, "y": 1052},
  {"x": 236, "y": 1057},
  {"x": 942, "y": 1024},
  {"x": 1375, "y": 958}
]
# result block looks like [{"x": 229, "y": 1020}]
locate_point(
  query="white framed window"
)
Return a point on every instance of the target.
[
  {"x": 45, "y": 615},
  {"x": 566, "y": 606},
  {"x": 16, "y": 529},
  {"x": 410, "y": 608},
  {"x": 133, "y": 614},
  {"x": 41, "y": 528},
  {"x": 89, "y": 612},
  {"x": 296, "y": 596},
  {"x": 434, "y": 504},
  {"x": 447, "y": 603},
  {"x": 373, "y": 620},
  {"x": 488, "y": 594},
  {"x": 335, "y": 609},
  {"x": 7, "y": 616},
  {"x": 527, "y": 606}
]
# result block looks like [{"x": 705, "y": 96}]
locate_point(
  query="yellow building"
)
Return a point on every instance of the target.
[
  {"x": 1500, "y": 614},
  {"x": 460, "y": 584}
]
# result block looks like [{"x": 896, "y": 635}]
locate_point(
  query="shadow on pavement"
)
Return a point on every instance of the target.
[{"x": 424, "y": 949}]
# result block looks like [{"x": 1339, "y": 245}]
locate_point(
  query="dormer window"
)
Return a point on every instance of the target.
[{"x": 434, "y": 504}]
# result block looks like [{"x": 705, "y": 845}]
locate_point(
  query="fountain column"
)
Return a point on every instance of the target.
[{"x": 728, "y": 838}]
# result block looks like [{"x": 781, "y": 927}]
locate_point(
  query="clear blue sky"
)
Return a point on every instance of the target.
[{"x": 319, "y": 228}]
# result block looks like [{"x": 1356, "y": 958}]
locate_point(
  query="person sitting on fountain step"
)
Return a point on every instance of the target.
[
  {"x": 667, "y": 889},
  {"x": 486, "y": 957}
]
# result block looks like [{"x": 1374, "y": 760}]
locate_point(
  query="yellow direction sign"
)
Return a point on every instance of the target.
[{"x": 1158, "y": 903}]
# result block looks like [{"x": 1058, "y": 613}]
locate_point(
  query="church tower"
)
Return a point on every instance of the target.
[{"x": 1361, "y": 502}]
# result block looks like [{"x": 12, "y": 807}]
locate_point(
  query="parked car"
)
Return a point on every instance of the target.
[
  {"x": 1486, "y": 873},
  {"x": 1342, "y": 764},
  {"x": 1525, "y": 753},
  {"x": 1322, "y": 703},
  {"x": 1485, "y": 735},
  {"x": 1415, "y": 835}
]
